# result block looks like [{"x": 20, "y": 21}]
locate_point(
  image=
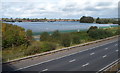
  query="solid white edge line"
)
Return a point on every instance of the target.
[
  {"x": 107, "y": 66},
  {"x": 61, "y": 57}
]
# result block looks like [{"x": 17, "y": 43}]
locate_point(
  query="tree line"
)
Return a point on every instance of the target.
[
  {"x": 83, "y": 19},
  {"x": 89, "y": 19},
  {"x": 35, "y": 20}
]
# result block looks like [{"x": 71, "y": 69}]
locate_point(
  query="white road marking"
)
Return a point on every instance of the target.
[
  {"x": 116, "y": 50},
  {"x": 106, "y": 48},
  {"x": 116, "y": 44},
  {"x": 85, "y": 64},
  {"x": 72, "y": 60},
  {"x": 92, "y": 53},
  {"x": 45, "y": 70},
  {"x": 108, "y": 66},
  {"x": 61, "y": 57},
  {"x": 104, "y": 56}
]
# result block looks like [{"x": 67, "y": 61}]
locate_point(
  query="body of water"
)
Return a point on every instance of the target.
[{"x": 39, "y": 27}]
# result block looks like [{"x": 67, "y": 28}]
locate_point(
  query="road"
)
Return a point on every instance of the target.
[{"x": 92, "y": 59}]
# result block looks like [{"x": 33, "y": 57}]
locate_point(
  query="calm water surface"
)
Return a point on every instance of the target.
[{"x": 38, "y": 27}]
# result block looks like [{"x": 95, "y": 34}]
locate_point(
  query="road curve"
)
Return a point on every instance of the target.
[{"x": 92, "y": 59}]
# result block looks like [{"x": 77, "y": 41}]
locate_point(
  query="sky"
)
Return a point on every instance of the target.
[{"x": 65, "y": 9}]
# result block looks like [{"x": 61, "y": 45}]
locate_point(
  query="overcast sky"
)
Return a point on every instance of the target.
[{"x": 72, "y": 9}]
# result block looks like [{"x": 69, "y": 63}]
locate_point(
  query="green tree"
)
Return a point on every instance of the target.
[
  {"x": 85, "y": 19},
  {"x": 115, "y": 22},
  {"x": 103, "y": 21},
  {"x": 98, "y": 20},
  {"x": 13, "y": 35}
]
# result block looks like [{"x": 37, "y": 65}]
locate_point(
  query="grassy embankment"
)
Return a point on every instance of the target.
[
  {"x": 43, "y": 46},
  {"x": 17, "y": 52}
]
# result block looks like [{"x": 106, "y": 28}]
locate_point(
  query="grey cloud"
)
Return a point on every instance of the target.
[
  {"x": 110, "y": 13},
  {"x": 91, "y": 9},
  {"x": 71, "y": 5},
  {"x": 72, "y": 9},
  {"x": 69, "y": 9},
  {"x": 104, "y": 4},
  {"x": 41, "y": 8}
]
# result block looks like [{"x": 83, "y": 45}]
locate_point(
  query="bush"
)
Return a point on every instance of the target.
[
  {"x": 108, "y": 33},
  {"x": 99, "y": 34},
  {"x": 44, "y": 36},
  {"x": 75, "y": 39},
  {"x": 66, "y": 40},
  {"x": 56, "y": 36},
  {"x": 48, "y": 46},
  {"x": 92, "y": 28},
  {"x": 38, "y": 47},
  {"x": 33, "y": 49},
  {"x": 118, "y": 31},
  {"x": 29, "y": 35}
]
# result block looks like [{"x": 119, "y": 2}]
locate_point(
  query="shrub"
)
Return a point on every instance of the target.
[
  {"x": 47, "y": 46},
  {"x": 44, "y": 36},
  {"x": 118, "y": 31},
  {"x": 38, "y": 47},
  {"x": 75, "y": 39},
  {"x": 66, "y": 40},
  {"x": 29, "y": 35},
  {"x": 99, "y": 34},
  {"x": 56, "y": 36},
  {"x": 92, "y": 28},
  {"x": 33, "y": 49},
  {"x": 108, "y": 33}
]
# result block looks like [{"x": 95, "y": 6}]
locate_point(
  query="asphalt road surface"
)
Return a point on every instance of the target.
[{"x": 93, "y": 59}]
